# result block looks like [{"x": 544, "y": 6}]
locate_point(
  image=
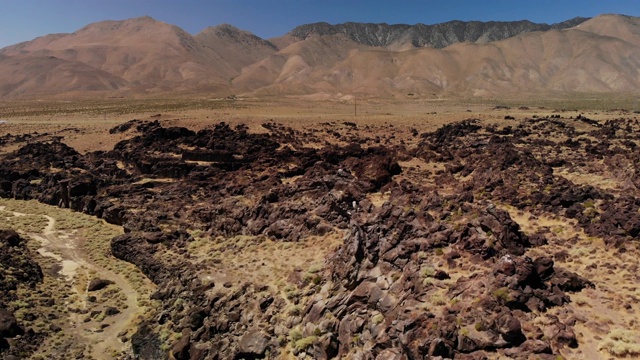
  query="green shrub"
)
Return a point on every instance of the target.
[
  {"x": 295, "y": 334},
  {"x": 502, "y": 293},
  {"x": 304, "y": 343},
  {"x": 294, "y": 310},
  {"x": 428, "y": 272}
]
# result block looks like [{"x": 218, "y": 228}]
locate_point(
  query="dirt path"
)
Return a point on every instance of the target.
[
  {"x": 64, "y": 247},
  {"x": 86, "y": 326}
]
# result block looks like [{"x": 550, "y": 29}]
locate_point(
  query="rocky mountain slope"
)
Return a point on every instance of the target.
[
  {"x": 236, "y": 47},
  {"x": 143, "y": 56},
  {"x": 404, "y": 37}
]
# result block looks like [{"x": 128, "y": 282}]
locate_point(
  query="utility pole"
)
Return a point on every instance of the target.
[{"x": 355, "y": 107}]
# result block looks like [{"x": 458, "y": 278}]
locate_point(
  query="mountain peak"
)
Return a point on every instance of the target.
[
  {"x": 145, "y": 18},
  {"x": 229, "y": 33},
  {"x": 138, "y": 23},
  {"x": 140, "y": 20},
  {"x": 226, "y": 27}
]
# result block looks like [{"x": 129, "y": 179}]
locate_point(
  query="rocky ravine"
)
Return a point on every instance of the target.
[{"x": 469, "y": 242}]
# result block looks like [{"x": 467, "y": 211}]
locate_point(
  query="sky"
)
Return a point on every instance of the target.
[{"x": 22, "y": 20}]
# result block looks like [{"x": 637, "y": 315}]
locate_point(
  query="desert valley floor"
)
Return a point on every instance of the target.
[{"x": 316, "y": 229}]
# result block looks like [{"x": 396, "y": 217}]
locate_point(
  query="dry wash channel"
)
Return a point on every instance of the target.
[{"x": 88, "y": 303}]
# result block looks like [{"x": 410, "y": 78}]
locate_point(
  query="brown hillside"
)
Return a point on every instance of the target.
[
  {"x": 143, "y": 51},
  {"x": 36, "y": 75},
  {"x": 297, "y": 67},
  {"x": 236, "y": 47},
  {"x": 142, "y": 56},
  {"x": 574, "y": 60},
  {"x": 621, "y": 27}
]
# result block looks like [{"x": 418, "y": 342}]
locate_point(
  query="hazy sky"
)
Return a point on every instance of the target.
[{"x": 22, "y": 20}]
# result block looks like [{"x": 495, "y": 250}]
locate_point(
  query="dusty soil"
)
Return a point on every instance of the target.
[{"x": 84, "y": 125}]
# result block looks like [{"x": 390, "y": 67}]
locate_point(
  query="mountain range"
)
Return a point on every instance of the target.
[{"x": 143, "y": 56}]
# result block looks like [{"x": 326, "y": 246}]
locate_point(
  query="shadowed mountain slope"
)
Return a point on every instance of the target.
[{"x": 402, "y": 36}]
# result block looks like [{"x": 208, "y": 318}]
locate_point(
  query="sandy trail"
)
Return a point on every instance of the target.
[{"x": 64, "y": 248}]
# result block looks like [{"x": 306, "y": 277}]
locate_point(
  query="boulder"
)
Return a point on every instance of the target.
[
  {"x": 8, "y": 324},
  {"x": 180, "y": 350},
  {"x": 10, "y": 237},
  {"x": 253, "y": 344},
  {"x": 98, "y": 284}
]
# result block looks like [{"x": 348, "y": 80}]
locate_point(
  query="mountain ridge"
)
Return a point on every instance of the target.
[
  {"x": 146, "y": 56},
  {"x": 438, "y": 35}
]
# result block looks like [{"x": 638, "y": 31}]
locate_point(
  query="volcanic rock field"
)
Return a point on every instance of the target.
[{"x": 515, "y": 238}]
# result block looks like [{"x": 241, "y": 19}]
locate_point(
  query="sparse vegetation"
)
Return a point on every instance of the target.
[
  {"x": 294, "y": 310},
  {"x": 623, "y": 343},
  {"x": 428, "y": 271},
  {"x": 114, "y": 108},
  {"x": 79, "y": 230},
  {"x": 304, "y": 343},
  {"x": 502, "y": 294},
  {"x": 295, "y": 334}
]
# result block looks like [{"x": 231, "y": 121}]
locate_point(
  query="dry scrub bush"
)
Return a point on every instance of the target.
[{"x": 621, "y": 343}]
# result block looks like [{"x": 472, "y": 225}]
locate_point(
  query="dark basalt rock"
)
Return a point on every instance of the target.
[
  {"x": 98, "y": 284},
  {"x": 164, "y": 184},
  {"x": 8, "y": 325},
  {"x": 253, "y": 344},
  {"x": 18, "y": 266},
  {"x": 146, "y": 344},
  {"x": 110, "y": 311},
  {"x": 124, "y": 127},
  {"x": 181, "y": 349},
  {"x": 17, "y": 269}
]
